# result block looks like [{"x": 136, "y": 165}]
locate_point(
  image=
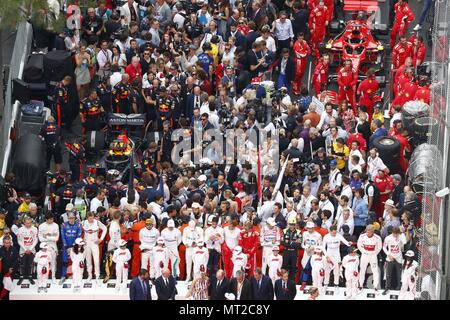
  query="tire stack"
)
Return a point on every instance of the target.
[
  {"x": 424, "y": 173},
  {"x": 389, "y": 151},
  {"x": 416, "y": 118}
]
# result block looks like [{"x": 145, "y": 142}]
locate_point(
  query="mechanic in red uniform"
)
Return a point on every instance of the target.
[
  {"x": 347, "y": 78},
  {"x": 301, "y": 52},
  {"x": 408, "y": 92},
  {"x": 401, "y": 69},
  {"x": 384, "y": 184},
  {"x": 402, "y": 137},
  {"x": 395, "y": 130},
  {"x": 330, "y": 7},
  {"x": 423, "y": 90},
  {"x": 403, "y": 16},
  {"x": 419, "y": 51},
  {"x": 366, "y": 90},
  {"x": 317, "y": 26},
  {"x": 401, "y": 51},
  {"x": 358, "y": 137},
  {"x": 249, "y": 241},
  {"x": 320, "y": 76},
  {"x": 405, "y": 77}
]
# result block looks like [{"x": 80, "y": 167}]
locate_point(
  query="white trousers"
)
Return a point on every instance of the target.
[
  {"x": 42, "y": 277},
  {"x": 174, "y": 257},
  {"x": 332, "y": 267},
  {"x": 189, "y": 256},
  {"x": 147, "y": 262},
  {"x": 93, "y": 253},
  {"x": 121, "y": 275},
  {"x": 351, "y": 284},
  {"x": 367, "y": 259},
  {"x": 317, "y": 279},
  {"x": 267, "y": 251},
  {"x": 77, "y": 275}
]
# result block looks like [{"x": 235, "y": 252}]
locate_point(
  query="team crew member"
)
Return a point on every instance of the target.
[
  {"x": 318, "y": 268},
  {"x": 43, "y": 259},
  {"x": 200, "y": 257},
  {"x": 77, "y": 255},
  {"x": 51, "y": 134},
  {"x": 148, "y": 237},
  {"x": 214, "y": 238},
  {"x": 62, "y": 113},
  {"x": 91, "y": 112},
  {"x": 172, "y": 239},
  {"x": 419, "y": 51},
  {"x": 403, "y": 17},
  {"x": 392, "y": 247},
  {"x": 160, "y": 258},
  {"x": 401, "y": 51},
  {"x": 92, "y": 238},
  {"x": 270, "y": 237},
  {"x": 165, "y": 106},
  {"x": 318, "y": 21},
  {"x": 77, "y": 157},
  {"x": 311, "y": 239},
  {"x": 27, "y": 238},
  {"x": 191, "y": 236},
  {"x": 249, "y": 242},
  {"x": 347, "y": 78},
  {"x": 275, "y": 263},
  {"x": 319, "y": 78},
  {"x": 291, "y": 241},
  {"x": 49, "y": 234},
  {"x": 331, "y": 250},
  {"x": 366, "y": 91},
  {"x": 121, "y": 257},
  {"x": 239, "y": 260},
  {"x": 369, "y": 244},
  {"x": 135, "y": 236},
  {"x": 302, "y": 52},
  {"x": 70, "y": 231},
  {"x": 409, "y": 277},
  {"x": 121, "y": 96},
  {"x": 351, "y": 263}
]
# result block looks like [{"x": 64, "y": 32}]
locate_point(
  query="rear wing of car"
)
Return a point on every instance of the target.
[{"x": 361, "y": 5}]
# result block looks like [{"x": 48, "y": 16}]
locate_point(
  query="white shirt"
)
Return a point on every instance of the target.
[
  {"x": 27, "y": 238},
  {"x": 172, "y": 238},
  {"x": 214, "y": 243},
  {"x": 190, "y": 236},
  {"x": 335, "y": 179},
  {"x": 103, "y": 56},
  {"x": 95, "y": 203},
  {"x": 373, "y": 165},
  {"x": 270, "y": 43},
  {"x": 304, "y": 206},
  {"x": 347, "y": 191},
  {"x": 393, "y": 246},
  {"x": 283, "y": 31},
  {"x": 325, "y": 118},
  {"x": 178, "y": 19}
]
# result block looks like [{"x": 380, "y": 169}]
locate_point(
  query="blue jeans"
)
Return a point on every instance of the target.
[
  {"x": 426, "y": 7},
  {"x": 282, "y": 82}
]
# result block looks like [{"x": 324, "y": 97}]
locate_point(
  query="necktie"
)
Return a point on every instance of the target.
[
  {"x": 167, "y": 282},
  {"x": 259, "y": 285},
  {"x": 218, "y": 283},
  {"x": 284, "y": 285},
  {"x": 144, "y": 288}
]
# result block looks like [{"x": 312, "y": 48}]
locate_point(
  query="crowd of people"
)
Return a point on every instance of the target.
[{"x": 236, "y": 229}]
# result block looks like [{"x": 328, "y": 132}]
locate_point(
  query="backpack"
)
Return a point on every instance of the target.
[{"x": 376, "y": 192}]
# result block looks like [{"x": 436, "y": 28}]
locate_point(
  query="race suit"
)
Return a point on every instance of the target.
[
  {"x": 239, "y": 262},
  {"x": 249, "y": 241},
  {"x": 213, "y": 239},
  {"x": 351, "y": 263},
  {"x": 310, "y": 240},
  {"x": 121, "y": 258},
  {"x": 200, "y": 257},
  {"x": 320, "y": 77},
  {"x": 301, "y": 51},
  {"x": 69, "y": 233},
  {"x": 270, "y": 237},
  {"x": 392, "y": 247},
  {"x": 190, "y": 240},
  {"x": 43, "y": 260},
  {"x": 231, "y": 240},
  {"x": 331, "y": 245},
  {"x": 317, "y": 25},
  {"x": 92, "y": 240},
  {"x": 77, "y": 267},
  {"x": 423, "y": 94},
  {"x": 160, "y": 260},
  {"x": 275, "y": 263},
  {"x": 172, "y": 239},
  {"x": 291, "y": 240},
  {"x": 347, "y": 79},
  {"x": 419, "y": 53},
  {"x": 400, "y": 52},
  {"x": 317, "y": 270},
  {"x": 403, "y": 16},
  {"x": 135, "y": 234},
  {"x": 409, "y": 277},
  {"x": 369, "y": 248},
  {"x": 49, "y": 234},
  {"x": 367, "y": 89},
  {"x": 147, "y": 238}
]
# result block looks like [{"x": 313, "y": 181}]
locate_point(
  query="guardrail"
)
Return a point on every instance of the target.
[{"x": 21, "y": 50}]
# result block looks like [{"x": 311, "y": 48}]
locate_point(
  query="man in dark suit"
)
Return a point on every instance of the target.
[
  {"x": 301, "y": 14},
  {"x": 219, "y": 286},
  {"x": 252, "y": 35},
  {"x": 240, "y": 287},
  {"x": 166, "y": 286},
  {"x": 285, "y": 289},
  {"x": 193, "y": 101},
  {"x": 262, "y": 288},
  {"x": 234, "y": 32},
  {"x": 140, "y": 287},
  {"x": 286, "y": 67}
]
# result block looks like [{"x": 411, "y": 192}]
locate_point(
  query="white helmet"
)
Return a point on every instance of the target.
[
  {"x": 79, "y": 242},
  {"x": 122, "y": 243},
  {"x": 237, "y": 249}
]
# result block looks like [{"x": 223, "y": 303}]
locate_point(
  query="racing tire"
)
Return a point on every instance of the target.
[
  {"x": 425, "y": 127},
  {"x": 95, "y": 141},
  {"x": 412, "y": 110},
  {"x": 389, "y": 151}
]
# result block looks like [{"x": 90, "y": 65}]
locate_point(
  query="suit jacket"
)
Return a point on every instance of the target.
[
  {"x": 137, "y": 292},
  {"x": 190, "y": 106},
  {"x": 165, "y": 292},
  {"x": 125, "y": 11},
  {"x": 246, "y": 291},
  {"x": 290, "y": 69},
  {"x": 265, "y": 292},
  {"x": 218, "y": 293},
  {"x": 288, "y": 294}
]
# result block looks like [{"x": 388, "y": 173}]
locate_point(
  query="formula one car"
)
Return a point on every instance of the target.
[{"x": 358, "y": 44}]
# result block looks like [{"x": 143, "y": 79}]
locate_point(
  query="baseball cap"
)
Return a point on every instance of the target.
[
  {"x": 200, "y": 243},
  {"x": 310, "y": 224},
  {"x": 196, "y": 205},
  {"x": 202, "y": 178},
  {"x": 71, "y": 215},
  {"x": 389, "y": 202},
  {"x": 271, "y": 222},
  {"x": 148, "y": 221},
  {"x": 276, "y": 248},
  {"x": 160, "y": 240},
  {"x": 26, "y": 195},
  {"x": 396, "y": 177},
  {"x": 409, "y": 253},
  {"x": 318, "y": 249},
  {"x": 170, "y": 224},
  {"x": 238, "y": 249},
  {"x": 162, "y": 88},
  {"x": 69, "y": 207},
  {"x": 333, "y": 163},
  {"x": 79, "y": 242},
  {"x": 321, "y": 149},
  {"x": 122, "y": 243}
]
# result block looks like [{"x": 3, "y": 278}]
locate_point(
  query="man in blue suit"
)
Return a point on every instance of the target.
[
  {"x": 140, "y": 287},
  {"x": 379, "y": 131},
  {"x": 262, "y": 288}
]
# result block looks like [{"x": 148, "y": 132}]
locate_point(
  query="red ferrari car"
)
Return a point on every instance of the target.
[{"x": 357, "y": 43}]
